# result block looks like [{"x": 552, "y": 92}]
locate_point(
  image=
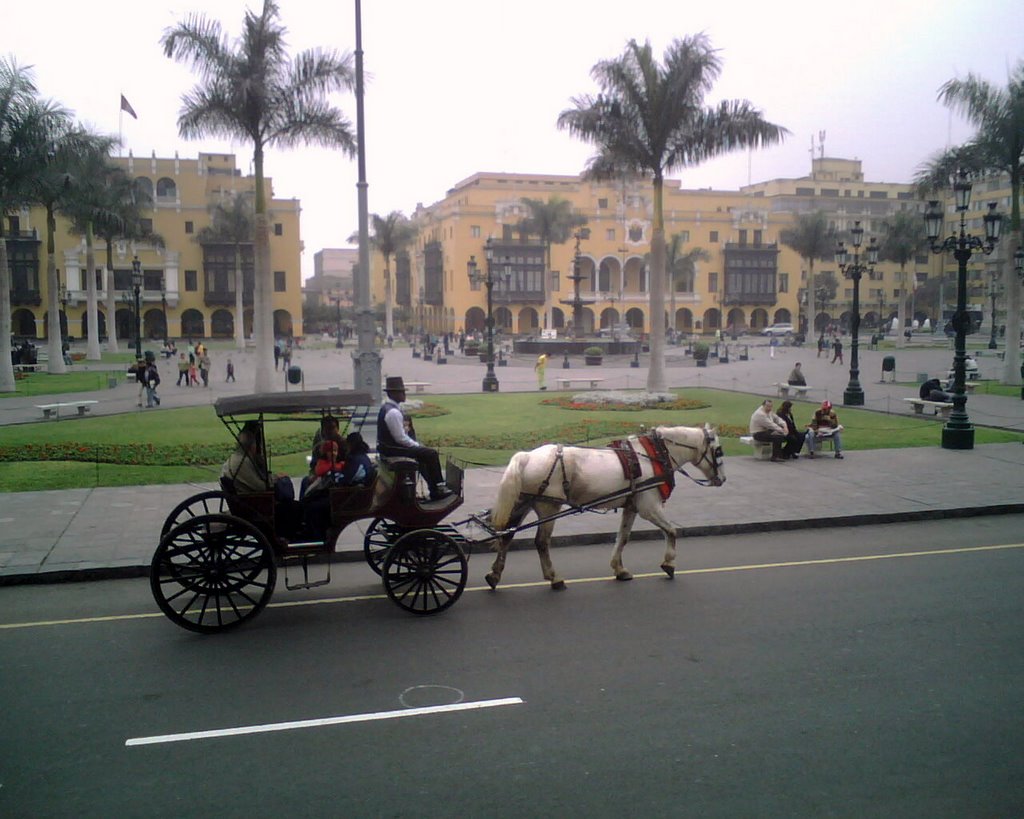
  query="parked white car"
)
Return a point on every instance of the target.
[{"x": 778, "y": 330}]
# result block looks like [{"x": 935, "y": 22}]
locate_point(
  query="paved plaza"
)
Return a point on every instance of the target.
[{"x": 108, "y": 532}]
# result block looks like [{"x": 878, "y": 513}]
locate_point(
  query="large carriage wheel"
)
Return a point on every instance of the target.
[
  {"x": 425, "y": 571},
  {"x": 380, "y": 534},
  {"x": 212, "y": 573},
  {"x": 205, "y": 503}
]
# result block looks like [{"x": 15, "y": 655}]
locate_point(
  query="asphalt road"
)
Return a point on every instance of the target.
[{"x": 812, "y": 673}]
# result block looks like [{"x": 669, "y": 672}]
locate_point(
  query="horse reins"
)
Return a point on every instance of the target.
[{"x": 714, "y": 461}]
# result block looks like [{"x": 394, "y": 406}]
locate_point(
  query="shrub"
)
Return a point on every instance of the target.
[
  {"x": 594, "y": 351},
  {"x": 701, "y": 351}
]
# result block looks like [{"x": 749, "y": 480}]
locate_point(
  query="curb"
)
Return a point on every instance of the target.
[{"x": 524, "y": 544}]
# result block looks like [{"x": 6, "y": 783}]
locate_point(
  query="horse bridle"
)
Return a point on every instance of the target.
[{"x": 713, "y": 456}]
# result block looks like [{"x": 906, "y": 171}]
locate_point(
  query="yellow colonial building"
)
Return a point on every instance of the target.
[
  {"x": 748, "y": 280},
  {"x": 188, "y": 287}
]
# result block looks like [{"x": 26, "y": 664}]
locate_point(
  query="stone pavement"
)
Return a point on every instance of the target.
[{"x": 111, "y": 532}]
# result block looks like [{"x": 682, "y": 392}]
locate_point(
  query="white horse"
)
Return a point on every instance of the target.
[{"x": 552, "y": 476}]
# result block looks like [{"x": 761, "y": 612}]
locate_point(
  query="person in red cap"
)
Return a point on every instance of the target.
[{"x": 825, "y": 425}]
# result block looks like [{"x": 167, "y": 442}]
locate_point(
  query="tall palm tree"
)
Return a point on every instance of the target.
[
  {"x": 998, "y": 115},
  {"x": 813, "y": 239},
  {"x": 553, "y": 222},
  {"x": 22, "y": 115},
  {"x": 233, "y": 223},
  {"x": 680, "y": 264},
  {"x": 904, "y": 239},
  {"x": 649, "y": 119},
  {"x": 249, "y": 90},
  {"x": 390, "y": 235}
]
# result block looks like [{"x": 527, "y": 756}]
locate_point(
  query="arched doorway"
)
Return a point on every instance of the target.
[
  {"x": 503, "y": 320},
  {"x": 712, "y": 319},
  {"x": 587, "y": 321},
  {"x": 684, "y": 320},
  {"x": 609, "y": 318},
  {"x": 222, "y": 324},
  {"x": 783, "y": 316},
  {"x": 282, "y": 324},
  {"x": 192, "y": 324},
  {"x": 557, "y": 318},
  {"x": 101, "y": 323},
  {"x": 529, "y": 321},
  {"x": 822, "y": 321},
  {"x": 23, "y": 323},
  {"x": 154, "y": 324},
  {"x": 124, "y": 321},
  {"x": 247, "y": 321},
  {"x": 475, "y": 320},
  {"x": 63, "y": 324},
  {"x": 759, "y": 319},
  {"x": 736, "y": 320},
  {"x": 635, "y": 319}
]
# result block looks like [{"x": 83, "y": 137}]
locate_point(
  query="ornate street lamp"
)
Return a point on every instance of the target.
[
  {"x": 993, "y": 294},
  {"x": 136, "y": 287},
  {"x": 490, "y": 383},
  {"x": 163, "y": 310},
  {"x": 853, "y": 396},
  {"x": 958, "y": 432}
]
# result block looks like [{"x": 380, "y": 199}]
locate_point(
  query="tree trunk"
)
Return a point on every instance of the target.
[
  {"x": 901, "y": 309},
  {"x": 263, "y": 310},
  {"x": 1012, "y": 287},
  {"x": 111, "y": 302},
  {"x": 239, "y": 303},
  {"x": 656, "y": 370},
  {"x": 56, "y": 365},
  {"x": 6, "y": 367},
  {"x": 92, "y": 347}
]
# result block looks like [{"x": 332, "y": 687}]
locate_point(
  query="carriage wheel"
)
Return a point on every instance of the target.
[
  {"x": 425, "y": 571},
  {"x": 212, "y": 573},
  {"x": 205, "y": 503},
  {"x": 380, "y": 534}
]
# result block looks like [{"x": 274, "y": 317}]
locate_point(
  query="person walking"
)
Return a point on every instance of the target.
[
  {"x": 837, "y": 350},
  {"x": 541, "y": 368},
  {"x": 277, "y": 353},
  {"x": 204, "y": 368},
  {"x": 821, "y": 344},
  {"x": 231, "y": 370},
  {"x": 182, "y": 369},
  {"x": 152, "y": 381}
]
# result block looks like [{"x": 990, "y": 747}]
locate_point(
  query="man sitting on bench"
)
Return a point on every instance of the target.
[{"x": 396, "y": 437}]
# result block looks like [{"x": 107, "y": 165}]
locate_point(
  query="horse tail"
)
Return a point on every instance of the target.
[{"x": 509, "y": 489}]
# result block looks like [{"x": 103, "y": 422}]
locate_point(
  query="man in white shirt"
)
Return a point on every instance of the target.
[
  {"x": 767, "y": 427},
  {"x": 396, "y": 437}
]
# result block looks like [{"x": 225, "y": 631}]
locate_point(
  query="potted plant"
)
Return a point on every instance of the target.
[
  {"x": 701, "y": 350},
  {"x": 472, "y": 348},
  {"x": 593, "y": 356}
]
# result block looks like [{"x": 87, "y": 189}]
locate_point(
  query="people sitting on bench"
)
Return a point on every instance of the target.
[
  {"x": 396, "y": 437},
  {"x": 796, "y": 377},
  {"x": 825, "y": 425},
  {"x": 767, "y": 427},
  {"x": 931, "y": 390}
]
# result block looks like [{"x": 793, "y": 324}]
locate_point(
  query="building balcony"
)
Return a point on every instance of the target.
[
  {"x": 225, "y": 298},
  {"x": 518, "y": 297},
  {"x": 22, "y": 298},
  {"x": 766, "y": 299}
]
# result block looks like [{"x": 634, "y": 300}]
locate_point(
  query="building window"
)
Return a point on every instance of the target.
[
  {"x": 506, "y": 233},
  {"x": 555, "y": 285},
  {"x": 758, "y": 237},
  {"x": 188, "y": 227},
  {"x": 278, "y": 229},
  {"x": 713, "y": 236},
  {"x": 602, "y": 203},
  {"x": 743, "y": 237},
  {"x": 684, "y": 236},
  {"x": 783, "y": 282},
  {"x": 166, "y": 189},
  {"x": 712, "y": 282},
  {"x": 474, "y": 231},
  {"x": 609, "y": 234},
  {"x": 279, "y": 281},
  {"x": 191, "y": 281}
]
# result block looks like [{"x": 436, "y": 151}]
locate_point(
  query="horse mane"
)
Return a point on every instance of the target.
[{"x": 509, "y": 489}]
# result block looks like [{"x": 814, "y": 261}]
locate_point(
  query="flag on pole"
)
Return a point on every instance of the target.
[{"x": 126, "y": 106}]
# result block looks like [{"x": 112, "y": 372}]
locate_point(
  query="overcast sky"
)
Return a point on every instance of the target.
[{"x": 461, "y": 86}]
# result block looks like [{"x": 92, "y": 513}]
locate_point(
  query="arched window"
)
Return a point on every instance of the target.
[
  {"x": 144, "y": 185},
  {"x": 166, "y": 189}
]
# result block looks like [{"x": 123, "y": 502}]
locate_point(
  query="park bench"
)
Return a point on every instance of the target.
[
  {"x": 417, "y": 386},
  {"x": 566, "y": 383},
  {"x": 943, "y": 407},
  {"x": 970, "y": 375},
  {"x": 27, "y": 368},
  {"x": 762, "y": 450},
  {"x": 53, "y": 410},
  {"x": 799, "y": 390}
]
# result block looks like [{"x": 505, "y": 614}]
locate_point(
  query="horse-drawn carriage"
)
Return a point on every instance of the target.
[
  {"x": 216, "y": 564},
  {"x": 219, "y": 552}
]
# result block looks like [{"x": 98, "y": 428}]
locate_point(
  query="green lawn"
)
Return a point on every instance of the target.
[
  {"x": 74, "y": 381},
  {"x": 181, "y": 445}
]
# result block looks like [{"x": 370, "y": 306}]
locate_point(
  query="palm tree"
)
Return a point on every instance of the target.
[
  {"x": 813, "y": 239},
  {"x": 22, "y": 115},
  {"x": 650, "y": 119},
  {"x": 998, "y": 115},
  {"x": 233, "y": 224},
  {"x": 391, "y": 235},
  {"x": 680, "y": 265},
  {"x": 904, "y": 239},
  {"x": 249, "y": 90},
  {"x": 553, "y": 222}
]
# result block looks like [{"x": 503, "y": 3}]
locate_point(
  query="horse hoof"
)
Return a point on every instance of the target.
[
  {"x": 558, "y": 585},
  {"x": 492, "y": 581},
  {"x": 669, "y": 570},
  {"x": 623, "y": 575}
]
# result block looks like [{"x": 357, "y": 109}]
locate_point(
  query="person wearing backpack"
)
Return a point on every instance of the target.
[{"x": 151, "y": 382}]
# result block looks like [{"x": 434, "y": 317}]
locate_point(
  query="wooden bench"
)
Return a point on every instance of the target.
[
  {"x": 969, "y": 375},
  {"x": 943, "y": 407},
  {"x": 762, "y": 449},
  {"x": 27, "y": 368},
  {"x": 566, "y": 383},
  {"x": 799, "y": 390},
  {"x": 418, "y": 386},
  {"x": 53, "y": 410}
]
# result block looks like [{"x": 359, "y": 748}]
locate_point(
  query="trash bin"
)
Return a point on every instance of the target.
[
  {"x": 889, "y": 366},
  {"x": 294, "y": 374}
]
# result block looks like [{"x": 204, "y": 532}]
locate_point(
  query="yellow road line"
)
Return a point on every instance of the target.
[{"x": 786, "y": 564}]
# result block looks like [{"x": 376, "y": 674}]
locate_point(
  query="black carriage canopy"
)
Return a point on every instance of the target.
[{"x": 294, "y": 403}]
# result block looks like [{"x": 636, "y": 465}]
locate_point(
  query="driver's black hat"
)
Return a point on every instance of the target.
[{"x": 394, "y": 383}]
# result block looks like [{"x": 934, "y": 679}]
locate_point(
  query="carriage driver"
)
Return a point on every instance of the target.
[{"x": 396, "y": 437}]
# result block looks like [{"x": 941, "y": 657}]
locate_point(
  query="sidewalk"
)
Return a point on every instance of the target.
[{"x": 108, "y": 532}]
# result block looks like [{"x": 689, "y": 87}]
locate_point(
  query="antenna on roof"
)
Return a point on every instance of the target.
[{"x": 821, "y": 143}]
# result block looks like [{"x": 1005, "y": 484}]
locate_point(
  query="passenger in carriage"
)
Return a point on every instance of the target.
[
  {"x": 359, "y": 469},
  {"x": 396, "y": 437},
  {"x": 246, "y": 468}
]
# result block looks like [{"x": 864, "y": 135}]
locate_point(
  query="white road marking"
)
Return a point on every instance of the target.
[
  {"x": 319, "y": 723},
  {"x": 426, "y": 691}
]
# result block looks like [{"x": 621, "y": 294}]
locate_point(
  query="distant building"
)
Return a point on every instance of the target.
[{"x": 333, "y": 275}]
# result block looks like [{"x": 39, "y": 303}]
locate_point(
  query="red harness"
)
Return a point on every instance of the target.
[{"x": 660, "y": 464}]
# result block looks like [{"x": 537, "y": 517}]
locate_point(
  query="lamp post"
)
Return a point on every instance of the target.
[
  {"x": 853, "y": 396},
  {"x": 958, "y": 432},
  {"x": 490, "y": 383},
  {"x": 1018, "y": 265},
  {"x": 136, "y": 287},
  {"x": 62, "y": 320},
  {"x": 338, "y": 343},
  {"x": 993, "y": 294},
  {"x": 163, "y": 310}
]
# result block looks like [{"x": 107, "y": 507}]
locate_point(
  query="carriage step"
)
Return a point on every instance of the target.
[{"x": 305, "y": 583}]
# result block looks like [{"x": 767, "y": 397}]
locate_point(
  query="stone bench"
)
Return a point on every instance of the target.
[
  {"x": 762, "y": 450},
  {"x": 417, "y": 386},
  {"x": 940, "y": 407},
  {"x": 798, "y": 390},
  {"x": 566, "y": 383},
  {"x": 53, "y": 410}
]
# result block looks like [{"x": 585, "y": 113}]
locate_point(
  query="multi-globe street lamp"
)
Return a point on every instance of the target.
[
  {"x": 853, "y": 396},
  {"x": 488, "y": 279},
  {"x": 136, "y": 288},
  {"x": 958, "y": 432}
]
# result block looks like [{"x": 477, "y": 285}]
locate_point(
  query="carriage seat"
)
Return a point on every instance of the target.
[
  {"x": 255, "y": 507},
  {"x": 398, "y": 472}
]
